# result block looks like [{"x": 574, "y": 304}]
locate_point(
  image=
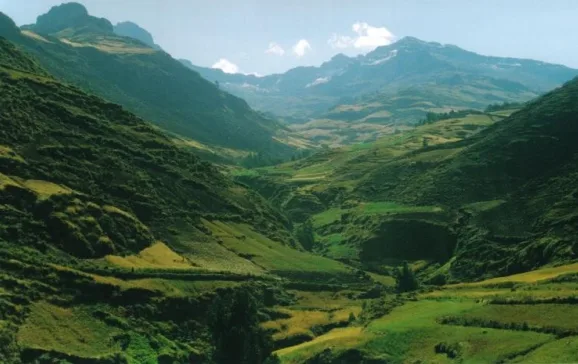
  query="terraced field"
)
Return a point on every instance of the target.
[{"x": 470, "y": 325}]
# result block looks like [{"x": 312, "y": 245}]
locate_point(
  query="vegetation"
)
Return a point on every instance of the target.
[
  {"x": 394, "y": 84},
  {"x": 84, "y": 51},
  {"x": 452, "y": 241},
  {"x": 104, "y": 222},
  {"x": 234, "y": 325},
  {"x": 504, "y": 106},
  {"x": 406, "y": 281},
  {"x": 306, "y": 235},
  {"x": 432, "y": 117}
]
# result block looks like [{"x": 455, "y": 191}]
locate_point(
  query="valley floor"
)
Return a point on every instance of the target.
[{"x": 528, "y": 318}]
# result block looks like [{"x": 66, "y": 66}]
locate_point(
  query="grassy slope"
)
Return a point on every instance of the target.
[
  {"x": 322, "y": 186},
  {"x": 152, "y": 85},
  {"x": 110, "y": 230},
  {"x": 483, "y": 329},
  {"x": 528, "y": 163},
  {"x": 506, "y": 187},
  {"x": 375, "y": 116}
]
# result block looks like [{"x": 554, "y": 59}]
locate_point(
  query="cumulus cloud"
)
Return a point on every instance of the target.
[
  {"x": 301, "y": 47},
  {"x": 367, "y": 37},
  {"x": 226, "y": 66},
  {"x": 276, "y": 49}
]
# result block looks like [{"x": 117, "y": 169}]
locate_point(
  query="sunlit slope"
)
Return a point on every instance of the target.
[{"x": 511, "y": 321}]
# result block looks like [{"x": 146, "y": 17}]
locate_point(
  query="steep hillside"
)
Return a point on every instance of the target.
[
  {"x": 115, "y": 242},
  {"x": 515, "y": 185},
  {"x": 85, "y": 51},
  {"x": 474, "y": 199}
]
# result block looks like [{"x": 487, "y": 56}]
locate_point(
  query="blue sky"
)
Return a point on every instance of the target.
[{"x": 270, "y": 36}]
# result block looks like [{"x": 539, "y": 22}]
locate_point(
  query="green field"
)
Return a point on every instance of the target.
[{"x": 416, "y": 330}]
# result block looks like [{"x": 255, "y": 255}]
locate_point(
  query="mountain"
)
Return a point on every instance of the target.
[
  {"x": 453, "y": 241},
  {"x": 132, "y": 30},
  {"x": 475, "y": 194},
  {"x": 84, "y": 50},
  {"x": 466, "y": 80},
  {"x": 116, "y": 243}
]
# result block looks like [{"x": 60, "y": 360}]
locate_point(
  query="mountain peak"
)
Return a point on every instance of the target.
[
  {"x": 338, "y": 61},
  {"x": 132, "y": 30},
  {"x": 339, "y": 56},
  {"x": 71, "y": 16},
  {"x": 7, "y": 25},
  {"x": 411, "y": 40}
]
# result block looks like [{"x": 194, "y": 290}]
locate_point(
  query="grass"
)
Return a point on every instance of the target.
[
  {"x": 67, "y": 330},
  {"x": 156, "y": 256},
  {"x": 328, "y": 217},
  {"x": 300, "y": 323},
  {"x": 527, "y": 277},
  {"x": 484, "y": 205},
  {"x": 411, "y": 332},
  {"x": 334, "y": 215},
  {"x": 559, "y": 351},
  {"x": 348, "y": 337},
  {"x": 370, "y": 208},
  {"x": 45, "y": 189},
  {"x": 179, "y": 288},
  {"x": 271, "y": 255},
  {"x": 324, "y": 300},
  {"x": 559, "y": 316},
  {"x": 8, "y": 153}
]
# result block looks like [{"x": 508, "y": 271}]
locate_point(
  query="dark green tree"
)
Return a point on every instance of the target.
[
  {"x": 406, "y": 281},
  {"x": 237, "y": 336}
]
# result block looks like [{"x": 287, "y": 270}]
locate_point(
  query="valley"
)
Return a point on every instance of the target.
[{"x": 414, "y": 204}]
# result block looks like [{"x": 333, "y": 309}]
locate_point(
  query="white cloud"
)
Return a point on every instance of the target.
[
  {"x": 301, "y": 47},
  {"x": 318, "y": 81},
  {"x": 340, "y": 41},
  {"x": 275, "y": 49},
  {"x": 367, "y": 37},
  {"x": 226, "y": 66}
]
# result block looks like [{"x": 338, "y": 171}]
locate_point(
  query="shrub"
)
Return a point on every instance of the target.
[
  {"x": 234, "y": 325},
  {"x": 406, "y": 281}
]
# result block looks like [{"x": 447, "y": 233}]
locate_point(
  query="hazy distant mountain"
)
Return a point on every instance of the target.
[
  {"x": 132, "y": 30},
  {"x": 310, "y": 91}
]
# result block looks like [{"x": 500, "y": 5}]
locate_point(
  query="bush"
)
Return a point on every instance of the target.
[
  {"x": 237, "y": 336},
  {"x": 406, "y": 281}
]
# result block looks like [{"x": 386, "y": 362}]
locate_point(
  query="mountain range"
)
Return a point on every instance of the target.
[
  {"x": 349, "y": 99},
  {"x": 447, "y": 235},
  {"x": 85, "y": 51}
]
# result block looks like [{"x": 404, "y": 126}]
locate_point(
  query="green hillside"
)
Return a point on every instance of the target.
[
  {"x": 114, "y": 241},
  {"x": 83, "y": 50},
  {"x": 462, "y": 199},
  {"x": 481, "y": 195},
  {"x": 452, "y": 240}
]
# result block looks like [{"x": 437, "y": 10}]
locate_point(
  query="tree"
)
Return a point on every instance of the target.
[
  {"x": 306, "y": 235},
  {"x": 237, "y": 336},
  {"x": 425, "y": 142},
  {"x": 406, "y": 281}
]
